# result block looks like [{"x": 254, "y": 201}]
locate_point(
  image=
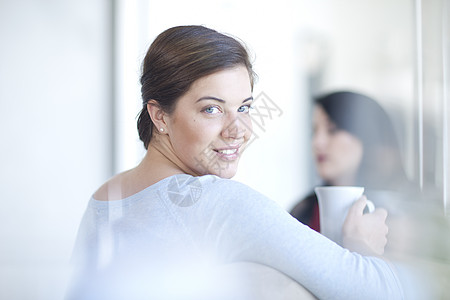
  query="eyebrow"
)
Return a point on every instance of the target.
[{"x": 220, "y": 100}]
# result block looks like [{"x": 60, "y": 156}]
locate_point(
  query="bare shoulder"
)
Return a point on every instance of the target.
[
  {"x": 111, "y": 189},
  {"x": 130, "y": 182}
]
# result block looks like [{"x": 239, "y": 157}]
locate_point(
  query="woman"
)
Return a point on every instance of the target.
[
  {"x": 154, "y": 227},
  {"x": 354, "y": 143}
]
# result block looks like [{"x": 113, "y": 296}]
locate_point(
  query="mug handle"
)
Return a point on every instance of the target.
[{"x": 370, "y": 206}]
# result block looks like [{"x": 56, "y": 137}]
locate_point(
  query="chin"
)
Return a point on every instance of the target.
[
  {"x": 225, "y": 174},
  {"x": 325, "y": 176},
  {"x": 221, "y": 169}
]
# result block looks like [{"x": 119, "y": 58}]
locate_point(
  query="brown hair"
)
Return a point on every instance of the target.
[{"x": 178, "y": 57}]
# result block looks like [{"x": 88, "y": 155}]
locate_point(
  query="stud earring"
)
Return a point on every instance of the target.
[{"x": 161, "y": 129}]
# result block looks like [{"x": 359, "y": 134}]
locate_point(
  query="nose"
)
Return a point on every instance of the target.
[
  {"x": 319, "y": 139},
  {"x": 235, "y": 128}
]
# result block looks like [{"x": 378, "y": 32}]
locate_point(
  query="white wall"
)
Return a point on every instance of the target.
[
  {"x": 370, "y": 48},
  {"x": 54, "y": 136}
]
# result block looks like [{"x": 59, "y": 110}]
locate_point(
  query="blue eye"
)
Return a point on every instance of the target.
[
  {"x": 244, "y": 108},
  {"x": 211, "y": 110}
]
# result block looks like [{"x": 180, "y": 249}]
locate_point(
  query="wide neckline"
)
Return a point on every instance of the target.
[{"x": 136, "y": 195}]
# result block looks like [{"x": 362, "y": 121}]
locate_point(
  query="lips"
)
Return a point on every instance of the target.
[
  {"x": 321, "y": 158},
  {"x": 228, "y": 153}
]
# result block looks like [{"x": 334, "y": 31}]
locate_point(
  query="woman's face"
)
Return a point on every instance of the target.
[
  {"x": 338, "y": 153},
  {"x": 211, "y": 125}
]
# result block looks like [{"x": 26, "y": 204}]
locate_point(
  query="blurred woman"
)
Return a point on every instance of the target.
[{"x": 354, "y": 144}]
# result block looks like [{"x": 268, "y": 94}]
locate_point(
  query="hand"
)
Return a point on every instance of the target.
[{"x": 365, "y": 233}]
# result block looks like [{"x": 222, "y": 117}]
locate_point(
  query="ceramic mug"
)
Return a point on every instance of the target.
[{"x": 334, "y": 203}]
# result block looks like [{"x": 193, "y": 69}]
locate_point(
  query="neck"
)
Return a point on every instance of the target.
[{"x": 161, "y": 160}]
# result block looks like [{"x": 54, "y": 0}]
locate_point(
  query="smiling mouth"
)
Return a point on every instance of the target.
[{"x": 228, "y": 153}]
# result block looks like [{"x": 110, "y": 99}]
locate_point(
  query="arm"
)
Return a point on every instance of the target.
[{"x": 249, "y": 227}]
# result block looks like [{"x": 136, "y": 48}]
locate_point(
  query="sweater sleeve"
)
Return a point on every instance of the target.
[{"x": 247, "y": 226}]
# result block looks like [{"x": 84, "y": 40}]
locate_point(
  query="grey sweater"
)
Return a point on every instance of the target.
[{"x": 171, "y": 238}]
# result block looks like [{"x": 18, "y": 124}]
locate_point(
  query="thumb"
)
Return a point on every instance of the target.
[{"x": 357, "y": 208}]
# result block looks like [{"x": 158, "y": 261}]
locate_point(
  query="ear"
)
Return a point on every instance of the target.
[{"x": 157, "y": 115}]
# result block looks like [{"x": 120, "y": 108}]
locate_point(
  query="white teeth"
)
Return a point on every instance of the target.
[{"x": 227, "y": 151}]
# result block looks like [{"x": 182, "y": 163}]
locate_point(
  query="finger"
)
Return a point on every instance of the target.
[
  {"x": 383, "y": 229},
  {"x": 358, "y": 207},
  {"x": 381, "y": 213}
]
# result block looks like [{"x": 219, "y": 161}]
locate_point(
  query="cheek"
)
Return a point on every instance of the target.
[
  {"x": 185, "y": 133},
  {"x": 351, "y": 149},
  {"x": 195, "y": 135},
  {"x": 358, "y": 155},
  {"x": 246, "y": 125}
]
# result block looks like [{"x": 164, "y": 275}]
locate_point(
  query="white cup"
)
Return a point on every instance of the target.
[{"x": 334, "y": 203}]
